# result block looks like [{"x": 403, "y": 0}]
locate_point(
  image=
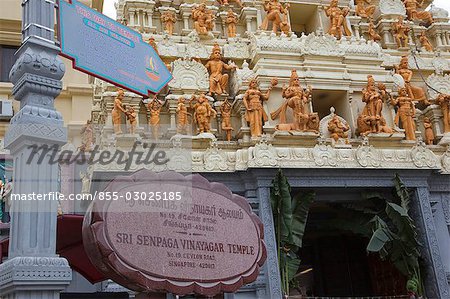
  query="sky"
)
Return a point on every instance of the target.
[{"x": 110, "y": 10}]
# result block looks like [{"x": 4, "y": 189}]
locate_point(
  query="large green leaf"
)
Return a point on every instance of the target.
[
  {"x": 379, "y": 240},
  {"x": 300, "y": 206},
  {"x": 282, "y": 207},
  {"x": 401, "y": 192}
]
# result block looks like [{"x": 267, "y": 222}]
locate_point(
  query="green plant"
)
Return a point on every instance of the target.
[{"x": 290, "y": 216}]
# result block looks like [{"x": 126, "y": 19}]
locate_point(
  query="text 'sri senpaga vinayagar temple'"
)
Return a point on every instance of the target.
[{"x": 341, "y": 95}]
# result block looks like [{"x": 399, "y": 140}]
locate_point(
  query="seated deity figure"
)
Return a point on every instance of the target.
[
  {"x": 203, "y": 19},
  {"x": 414, "y": 14},
  {"x": 364, "y": 11},
  {"x": 254, "y": 110},
  {"x": 425, "y": 42},
  {"x": 275, "y": 12},
  {"x": 218, "y": 80},
  {"x": 203, "y": 112},
  {"x": 297, "y": 99},
  {"x": 338, "y": 130},
  {"x": 405, "y": 113},
  {"x": 168, "y": 19},
  {"x": 373, "y": 34},
  {"x": 338, "y": 20},
  {"x": 443, "y": 100},
  {"x": 415, "y": 92},
  {"x": 400, "y": 31}
]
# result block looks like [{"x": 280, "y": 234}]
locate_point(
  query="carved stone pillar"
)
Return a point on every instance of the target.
[
  {"x": 249, "y": 14},
  {"x": 186, "y": 12},
  {"x": 33, "y": 270},
  {"x": 131, "y": 19}
]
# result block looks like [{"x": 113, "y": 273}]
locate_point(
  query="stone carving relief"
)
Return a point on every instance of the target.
[
  {"x": 440, "y": 83},
  {"x": 245, "y": 74},
  {"x": 189, "y": 75},
  {"x": 167, "y": 47},
  {"x": 262, "y": 154},
  {"x": 439, "y": 14},
  {"x": 445, "y": 160},
  {"x": 236, "y": 49},
  {"x": 423, "y": 157},
  {"x": 392, "y": 7},
  {"x": 360, "y": 47},
  {"x": 195, "y": 48},
  {"x": 215, "y": 159},
  {"x": 323, "y": 125},
  {"x": 320, "y": 45},
  {"x": 324, "y": 155},
  {"x": 368, "y": 156},
  {"x": 272, "y": 42}
]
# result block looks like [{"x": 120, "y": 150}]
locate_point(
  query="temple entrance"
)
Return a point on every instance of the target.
[{"x": 334, "y": 259}]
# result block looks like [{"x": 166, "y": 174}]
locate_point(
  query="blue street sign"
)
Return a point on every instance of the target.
[{"x": 109, "y": 50}]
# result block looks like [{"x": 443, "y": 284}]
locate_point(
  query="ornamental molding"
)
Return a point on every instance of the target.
[
  {"x": 368, "y": 156},
  {"x": 440, "y": 83},
  {"x": 262, "y": 154},
  {"x": 236, "y": 49},
  {"x": 274, "y": 43},
  {"x": 167, "y": 47},
  {"x": 445, "y": 160},
  {"x": 189, "y": 75},
  {"x": 423, "y": 157},
  {"x": 352, "y": 46},
  {"x": 392, "y": 7},
  {"x": 323, "y": 44}
]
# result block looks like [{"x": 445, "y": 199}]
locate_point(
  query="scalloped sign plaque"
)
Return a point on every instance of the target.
[{"x": 165, "y": 232}]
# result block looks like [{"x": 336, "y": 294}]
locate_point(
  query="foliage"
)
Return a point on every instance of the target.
[{"x": 290, "y": 216}]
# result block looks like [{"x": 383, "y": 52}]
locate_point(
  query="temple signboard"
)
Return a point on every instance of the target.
[
  {"x": 108, "y": 50},
  {"x": 165, "y": 232}
]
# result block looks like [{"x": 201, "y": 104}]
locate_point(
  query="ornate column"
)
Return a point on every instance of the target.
[{"x": 33, "y": 270}]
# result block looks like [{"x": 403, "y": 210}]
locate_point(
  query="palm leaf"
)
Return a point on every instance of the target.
[
  {"x": 402, "y": 192},
  {"x": 282, "y": 206},
  {"x": 300, "y": 207}
]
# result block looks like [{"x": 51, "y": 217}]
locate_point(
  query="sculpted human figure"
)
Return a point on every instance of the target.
[
  {"x": 275, "y": 11},
  {"x": 414, "y": 14},
  {"x": 443, "y": 100},
  {"x": 338, "y": 129},
  {"x": 400, "y": 30},
  {"x": 182, "y": 116},
  {"x": 203, "y": 19},
  {"x": 227, "y": 2},
  {"x": 132, "y": 119},
  {"x": 253, "y": 102},
  {"x": 405, "y": 113},
  {"x": 154, "y": 107},
  {"x": 338, "y": 20},
  {"x": 429, "y": 134},
  {"x": 415, "y": 92},
  {"x": 87, "y": 139},
  {"x": 203, "y": 112},
  {"x": 152, "y": 43},
  {"x": 231, "y": 22},
  {"x": 297, "y": 99},
  {"x": 169, "y": 19},
  {"x": 362, "y": 10},
  {"x": 218, "y": 80},
  {"x": 373, "y": 34},
  {"x": 118, "y": 111},
  {"x": 225, "y": 109},
  {"x": 425, "y": 42}
]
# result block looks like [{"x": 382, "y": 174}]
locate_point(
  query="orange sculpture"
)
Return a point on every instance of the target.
[
  {"x": 203, "y": 112},
  {"x": 118, "y": 111},
  {"x": 203, "y": 19},
  {"x": 253, "y": 102},
  {"x": 168, "y": 18},
  {"x": 443, "y": 100},
  {"x": 218, "y": 80},
  {"x": 154, "y": 107},
  {"x": 425, "y": 42},
  {"x": 429, "y": 134},
  {"x": 415, "y": 92},
  {"x": 405, "y": 113},
  {"x": 275, "y": 10},
  {"x": 152, "y": 43},
  {"x": 338, "y": 20},
  {"x": 401, "y": 30},
  {"x": 182, "y": 116},
  {"x": 231, "y": 22},
  {"x": 225, "y": 109},
  {"x": 87, "y": 137},
  {"x": 132, "y": 119},
  {"x": 338, "y": 129},
  {"x": 373, "y": 34},
  {"x": 414, "y": 14},
  {"x": 363, "y": 11}
]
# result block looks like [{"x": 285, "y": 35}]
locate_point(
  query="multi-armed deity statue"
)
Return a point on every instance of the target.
[
  {"x": 218, "y": 79},
  {"x": 253, "y": 102},
  {"x": 364, "y": 11},
  {"x": 338, "y": 22},
  {"x": 169, "y": 19},
  {"x": 400, "y": 31},
  {"x": 231, "y": 22},
  {"x": 297, "y": 99},
  {"x": 414, "y": 14},
  {"x": 405, "y": 113},
  {"x": 154, "y": 107},
  {"x": 203, "y": 19},
  {"x": 277, "y": 14},
  {"x": 203, "y": 112},
  {"x": 415, "y": 92}
]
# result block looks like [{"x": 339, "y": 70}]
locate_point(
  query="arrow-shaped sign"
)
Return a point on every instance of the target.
[{"x": 109, "y": 50}]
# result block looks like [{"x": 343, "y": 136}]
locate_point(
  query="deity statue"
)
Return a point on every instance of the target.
[
  {"x": 429, "y": 134},
  {"x": 253, "y": 102},
  {"x": 132, "y": 119},
  {"x": 231, "y": 22},
  {"x": 117, "y": 112},
  {"x": 218, "y": 81},
  {"x": 405, "y": 113},
  {"x": 227, "y": 2},
  {"x": 373, "y": 34},
  {"x": 338, "y": 129},
  {"x": 338, "y": 20},
  {"x": 225, "y": 109},
  {"x": 415, "y": 92},
  {"x": 425, "y": 42},
  {"x": 154, "y": 107},
  {"x": 203, "y": 19},
  {"x": 168, "y": 18},
  {"x": 362, "y": 10},
  {"x": 87, "y": 137},
  {"x": 400, "y": 30},
  {"x": 151, "y": 42},
  {"x": 275, "y": 11},
  {"x": 182, "y": 116},
  {"x": 413, "y": 13},
  {"x": 297, "y": 99},
  {"x": 443, "y": 100},
  {"x": 203, "y": 112}
]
